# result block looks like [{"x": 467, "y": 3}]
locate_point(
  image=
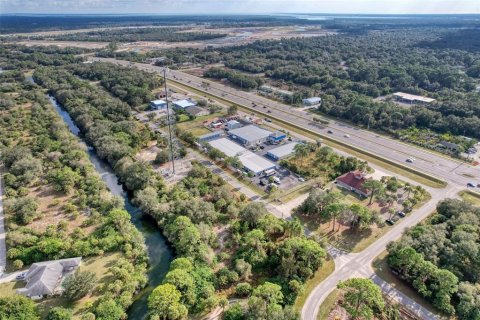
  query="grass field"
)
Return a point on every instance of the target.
[
  {"x": 395, "y": 168},
  {"x": 328, "y": 304},
  {"x": 471, "y": 197},
  {"x": 322, "y": 273}
]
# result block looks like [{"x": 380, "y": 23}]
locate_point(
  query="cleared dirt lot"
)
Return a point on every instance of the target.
[{"x": 235, "y": 36}]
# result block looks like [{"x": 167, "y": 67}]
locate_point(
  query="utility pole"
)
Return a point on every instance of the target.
[{"x": 168, "y": 120}]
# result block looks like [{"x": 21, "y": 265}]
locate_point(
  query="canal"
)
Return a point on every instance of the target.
[{"x": 159, "y": 253}]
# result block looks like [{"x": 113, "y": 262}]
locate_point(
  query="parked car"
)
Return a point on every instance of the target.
[
  {"x": 471, "y": 185},
  {"x": 21, "y": 276},
  {"x": 262, "y": 147},
  {"x": 390, "y": 222},
  {"x": 263, "y": 182},
  {"x": 276, "y": 179},
  {"x": 401, "y": 214}
]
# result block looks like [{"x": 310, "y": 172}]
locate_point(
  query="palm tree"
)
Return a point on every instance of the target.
[
  {"x": 333, "y": 211},
  {"x": 374, "y": 186},
  {"x": 294, "y": 228},
  {"x": 301, "y": 150},
  {"x": 408, "y": 188}
]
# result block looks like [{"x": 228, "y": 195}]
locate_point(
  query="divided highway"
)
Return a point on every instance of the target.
[{"x": 450, "y": 170}]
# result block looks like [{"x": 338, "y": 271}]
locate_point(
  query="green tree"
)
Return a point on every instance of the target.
[
  {"x": 78, "y": 284},
  {"x": 184, "y": 283},
  {"x": 17, "y": 307},
  {"x": 24, "y": 209},
  {"x": 164, "y": 301},
  {"x": 269, "y": 292},
  {"x": 59, "y": 313},
  {"x": 362, "y": 298},
  {"x": 163, "y": 156},
  {"x": 232, "y": 110},
  {"x": 374, "y": 186},
  {"x": 108, "y": 309},
  {"x": 252, "y": 213}
]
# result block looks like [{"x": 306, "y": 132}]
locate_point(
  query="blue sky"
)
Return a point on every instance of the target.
[{"x": 239, "y": 6}]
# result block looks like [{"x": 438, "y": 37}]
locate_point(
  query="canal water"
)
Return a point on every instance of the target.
[{"x": 159, "y": 253}]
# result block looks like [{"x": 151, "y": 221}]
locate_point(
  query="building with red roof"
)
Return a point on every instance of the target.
[{"x": 353, "y": 181}]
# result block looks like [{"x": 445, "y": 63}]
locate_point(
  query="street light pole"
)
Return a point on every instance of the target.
[{"x": 168, "y": 120}]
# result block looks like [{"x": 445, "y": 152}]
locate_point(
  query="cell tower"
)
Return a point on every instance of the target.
[{"x": 169, "y": 120}]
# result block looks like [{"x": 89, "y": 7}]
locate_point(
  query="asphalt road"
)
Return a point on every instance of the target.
[
  {"x": 455, "y": 173},
  {"x": 450, "y": 170}
]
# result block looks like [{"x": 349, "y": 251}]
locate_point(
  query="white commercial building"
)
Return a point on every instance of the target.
[
  {"x": 183, "y": 104},
  {"x": 411, "y": 98},
  {"x": 282, "y": 151},
  {"x": 251, "y": 161},
  {"x": 230, "y": 148},
  {"x": 312, "y": 101},
  {"x": 249, "y": 135}
]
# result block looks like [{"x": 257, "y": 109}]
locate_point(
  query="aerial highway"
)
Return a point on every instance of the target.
[{"x": 451, "y": 170}]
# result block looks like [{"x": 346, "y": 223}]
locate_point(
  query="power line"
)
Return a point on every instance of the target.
[{"x": 169, "y": 121}]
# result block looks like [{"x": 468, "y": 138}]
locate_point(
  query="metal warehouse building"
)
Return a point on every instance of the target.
[
  {"x": 249, "y": 135},
  {"x": 210, "y": 136},
  {"x": 230, "y": 148},
  {"x": 251, "y": 162},
  {"x": 282, "y": 151}
]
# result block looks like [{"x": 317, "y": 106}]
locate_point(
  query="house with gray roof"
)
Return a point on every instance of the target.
[{"x": 45, "y": 278}]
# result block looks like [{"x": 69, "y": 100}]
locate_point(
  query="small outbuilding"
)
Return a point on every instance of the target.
[
  {"x": 196, "y": 111},
  {"x": 233, "y": 124},
  {"x": 277, "y": 137},
  {"x": 183, "y": 104},
  {"x": 158, "y": 104}
]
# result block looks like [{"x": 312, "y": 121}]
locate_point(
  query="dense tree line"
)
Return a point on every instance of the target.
[
  {"x": 129, "y": 84},
  {"x": 236, "y": 78},
  {"x": 105, "y": 121},
  {"x": 136, "y": 34},
  {"x": 40, "y": 154},
  {"x": 440, "y": 258},
  {"x": 16, "y": 57},
  {"x": 349, "y": 70}
]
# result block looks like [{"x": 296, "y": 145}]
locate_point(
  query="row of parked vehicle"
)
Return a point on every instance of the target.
[{"x": 391, "y": 221}]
